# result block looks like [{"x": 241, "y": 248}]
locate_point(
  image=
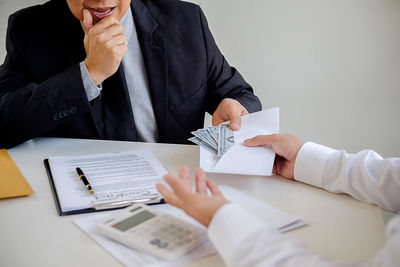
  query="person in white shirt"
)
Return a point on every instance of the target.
[{"x": 247, "y": 241}]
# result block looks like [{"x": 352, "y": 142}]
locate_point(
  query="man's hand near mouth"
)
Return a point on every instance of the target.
[{"x": 105, "y": 45}]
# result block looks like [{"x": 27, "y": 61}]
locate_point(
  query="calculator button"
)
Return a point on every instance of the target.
[
  {"x": 163, "y": 245},
  {"x": 174, "y": 238},
  {"x": 194, "y": 235},
  {"x": 188, "y": 240},
  {"x": 170, "y": 248},
  {"x": 164, "y": 235},
  {"x": 177, "y": 231},
  {"x": 155, "y": 234},
  {"x": 155, "y": 241},
  {"x": 180, "y": 244}
]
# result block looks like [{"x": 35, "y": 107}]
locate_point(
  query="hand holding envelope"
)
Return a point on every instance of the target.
[{"x": 240, "y": 159}]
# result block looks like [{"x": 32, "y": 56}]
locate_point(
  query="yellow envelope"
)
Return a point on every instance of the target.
[{"x": 12, "y": 183}]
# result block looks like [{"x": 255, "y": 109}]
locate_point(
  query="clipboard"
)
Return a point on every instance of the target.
[{"x": 112, "y": 205}]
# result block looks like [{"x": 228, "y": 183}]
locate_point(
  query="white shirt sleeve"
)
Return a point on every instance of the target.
[
  {"x": 243, "y": 240},
  {"x": 92, "y": 90},
  {"x": 365, "y": 176}
]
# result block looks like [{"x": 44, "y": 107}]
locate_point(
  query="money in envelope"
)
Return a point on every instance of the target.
[
  {"x": 222, "y": 150},
  {"x": 216, "y": 139}
]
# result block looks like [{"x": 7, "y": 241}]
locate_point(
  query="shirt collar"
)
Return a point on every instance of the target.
[{"x": 128, "y": 24}]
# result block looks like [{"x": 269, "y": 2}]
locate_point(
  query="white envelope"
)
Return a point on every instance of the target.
[{"x": 240, "y": 159}]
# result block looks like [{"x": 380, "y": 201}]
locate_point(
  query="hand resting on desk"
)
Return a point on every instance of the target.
[{"x": 199, "y": 204}]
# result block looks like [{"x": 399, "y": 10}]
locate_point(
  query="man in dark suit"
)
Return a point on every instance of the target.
[{"x": 145, "y": 70}]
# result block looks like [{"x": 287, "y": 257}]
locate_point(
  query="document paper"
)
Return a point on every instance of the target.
[
  {"x": 240, "y": 159},
  {"x": 131, "y": 257},
  {"x": 123, "y": 174}
]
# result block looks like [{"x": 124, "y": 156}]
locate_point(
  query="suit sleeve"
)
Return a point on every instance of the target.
[
  {"x": 224, "y": 81},
  {"x": 28, "y": 108}
]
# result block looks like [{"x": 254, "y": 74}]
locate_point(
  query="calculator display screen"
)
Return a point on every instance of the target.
[{"x": 134, "y": 220}]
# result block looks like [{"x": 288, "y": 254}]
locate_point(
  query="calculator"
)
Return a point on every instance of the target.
[{"x": 151, "y": 231}]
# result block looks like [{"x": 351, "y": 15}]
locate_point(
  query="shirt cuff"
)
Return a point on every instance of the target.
[
  {"x": 92, "y": 90},
  {"x": 310, "y": 163},
  {"x": 230, "y": 225}
]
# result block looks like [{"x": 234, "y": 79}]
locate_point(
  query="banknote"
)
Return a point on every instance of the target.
[
  {"x": 217, "y": 139},
  {"x": 205, "y": 136},
  {"x": 203, "y": 144},
  {"x": 225, "y": 139},
  {"x": 213, "y": 132}
]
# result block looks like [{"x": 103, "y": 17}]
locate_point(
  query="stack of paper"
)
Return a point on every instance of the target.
[
  {"x": 114, "y": 177},
  {"x": 280, "y": 220},
  {"x": 130, "y": 257}
]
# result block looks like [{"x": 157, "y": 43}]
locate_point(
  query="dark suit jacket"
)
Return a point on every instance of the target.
[{"x": 41, "y": 88}]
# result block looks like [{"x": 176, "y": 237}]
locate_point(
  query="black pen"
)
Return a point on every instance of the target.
[{"x": 84, "y": 180}]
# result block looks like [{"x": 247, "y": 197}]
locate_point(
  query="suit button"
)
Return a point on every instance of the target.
[
  {"x": 66, "y": 113},
  {"x": 56, "y": 116},
  {"x": 73, "y": 110}
]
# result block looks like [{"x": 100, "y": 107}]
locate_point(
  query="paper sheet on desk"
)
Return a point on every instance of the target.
[
  {"x": 130, "y": 257},
  {"x": 240, "y": 159},
  {"x": 279, "y": 219}
]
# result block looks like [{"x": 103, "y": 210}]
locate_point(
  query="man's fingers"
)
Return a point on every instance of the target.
[
  {"x": 87, "y": 20},
  {"x": 213, "y": 188},
  {"x": 236, "y": 121},
  {"x": 234, "y": 110},
  {"x": 201, "y": 186},
  {"x": 116, "y": 40},
  {"x": 261, "y": 140},
  {"x": 184, "y": 174},
  {"x": 279, "y": 161},
  {"x": 274, "y": 169},
  {"x": 216, "y": 121},
  {"x": 105, "y": 23},
  {"x": 113, "y": 31},
  {"x": 168, "y": 195},
  {"x": 177, "y": 185}
]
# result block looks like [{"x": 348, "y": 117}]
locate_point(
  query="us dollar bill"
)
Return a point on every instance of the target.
[
  {"x": 203, "y": 144},
  {"x": 214, "y": 132},
  {"x": 225, "y": 139},
  {"x": 205, "y": 136}
]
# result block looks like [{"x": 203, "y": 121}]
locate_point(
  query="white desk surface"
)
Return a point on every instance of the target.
[{"x": 33, "y": 234}]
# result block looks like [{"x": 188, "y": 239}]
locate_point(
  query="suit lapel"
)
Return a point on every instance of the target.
[
  {"x": 72, "y": 35},
  {"x": 155, "y": 60}
]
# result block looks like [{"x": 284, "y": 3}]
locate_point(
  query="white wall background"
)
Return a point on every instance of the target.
[{"x": 332, "y": 66}]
